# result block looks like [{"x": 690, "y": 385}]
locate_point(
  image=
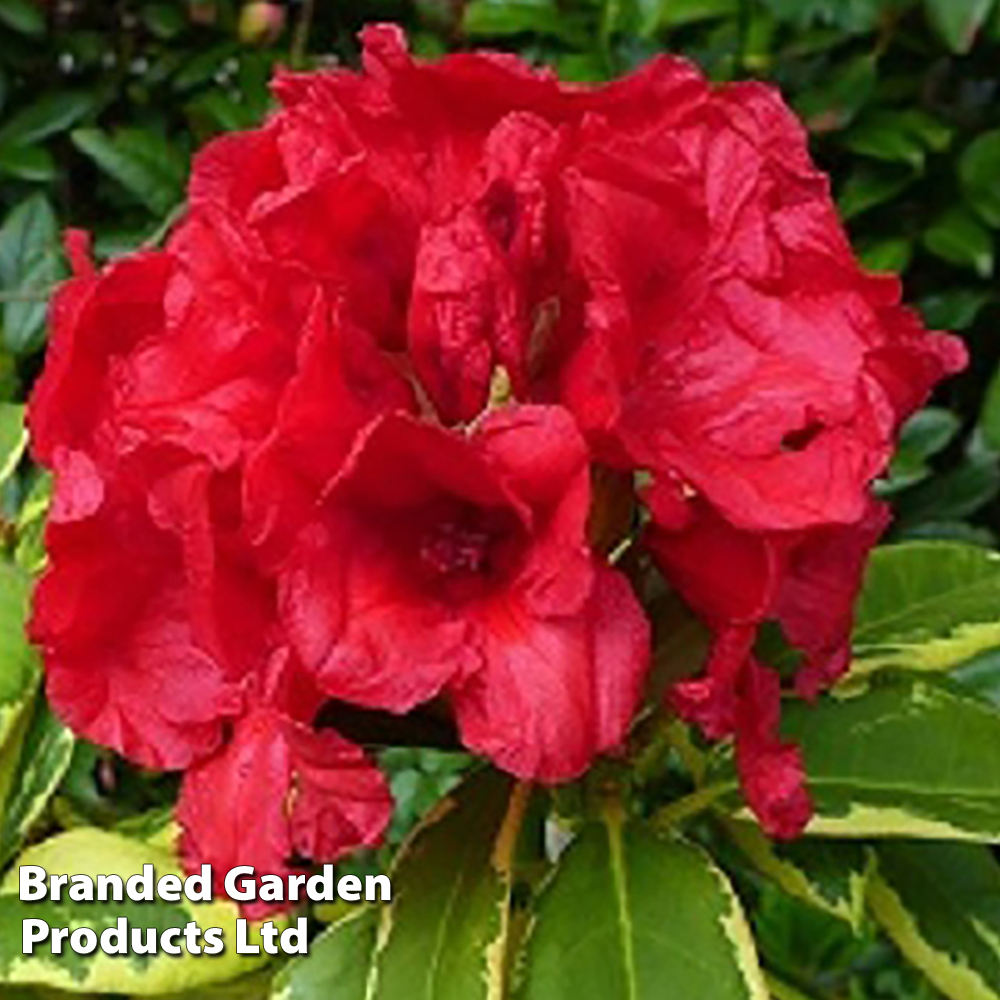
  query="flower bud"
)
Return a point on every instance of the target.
[{"x": 261, "y": 23}]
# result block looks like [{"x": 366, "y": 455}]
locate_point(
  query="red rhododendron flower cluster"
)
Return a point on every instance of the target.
[{"x": 363, "y": 431}]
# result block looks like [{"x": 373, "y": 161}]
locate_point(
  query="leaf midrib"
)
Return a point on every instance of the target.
[{"x": 619, "y": 877}]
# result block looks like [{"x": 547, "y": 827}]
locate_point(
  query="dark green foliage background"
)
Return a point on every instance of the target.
[{"x": 102, "y": 103}]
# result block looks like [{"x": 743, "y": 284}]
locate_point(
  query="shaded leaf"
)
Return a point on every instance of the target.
[
  {"x": 954, "y": 308},
  {"x": 144, "y": 163},
  {"x": 898, "y": 136},
  {"x": 30, "y": 264},
  {"x": 827, "y": 874},
  {"x": 979, "y": 168},
  {"x": 677, "y": 13},
  {"x": 868, "y": 186},
  {"x": 847, "y": 15},
  {"x": 891, "y": 256},
  {"x": 923, "y": 436},
  {"x": 956, "y": 494},
  {"x": 49, "y": 115},
  {"x": 958, "y": 21},
  {"x": 989, "y": 421},
  {"x": 27, "y": 163},
  {"x": 959, "y": 238},
  {"x": 837, "y": 102},
  {"x": 24, "y": 16}
]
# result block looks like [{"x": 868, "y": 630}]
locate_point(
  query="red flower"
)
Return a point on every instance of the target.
[
  {"x": 157, "y": 624},
  {"x": 133, "y": 646},
  {"x": 445, "y": 562},
  {"x": 280, "y": 792},
  {"x": 805, "y": 581},
  {"x": 338, "y": 439},
  {"x": 732, "y": 339}
]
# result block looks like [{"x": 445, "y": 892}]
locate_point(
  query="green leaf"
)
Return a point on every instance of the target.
[
  {"x": 955, "y": 308},
  {"x": 338, "y": 962},
  {"x": 989, "y": 420},
  {"x": 924, "y": 435},
  {"x": 256, "y": 986},
  {"x": 144, "y": 163},
  {"x": 954, "y": 495},
  {"x": 501, "y": 18},
  {"x": 13, "y": 439},
  {"x": 49, "y": 115},
  {"x": 445, "y": 933},
  {"x": 836, "y": 103},
  {"x": 30, "y": 553},
  {"x": 204, "y": 65},
  {"x": 828, "y": 874},
  {"x": 798, "y": 940},
  {"x": 679, "y": 13},
  {"x": 90, "y": 851},
  {"x": 164, "y": 20},
  {"x": 891, "y": 256},
  {"x": 19, "y": 675},
  {"x": 908, "y": 757},
  {"x": 982, "y": 676},
  {"x": 24, "y": 16},
  {"x": 868, "y": 186},
  {"x": 631, "y": 913},
  {"x": 926, "y": 606},
  {"x": 898, "y": 136},
  {"x": 45, "y": 757},
  {"x": 959, "y": 238},
  {"x": 13, "y": 723},
  {"x": 847, "y": 15},
  {"x": 216, "y": 111},
  {"x": 30, "y": 264},
  {"x": 780, "y": 990},
  {"x": 18, "y": 666},
  {"x": 940, "y": 903},
  {"x": 958, "y": 21},
  {"x": 950, "y": 531},
  {"x": 979, "y": 169},
  {"x": 27, "y": 163}
]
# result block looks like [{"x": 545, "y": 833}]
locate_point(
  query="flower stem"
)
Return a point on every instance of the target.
[
  {"x": 686, "y": 808},
  {"x": 300, "y": 42}
]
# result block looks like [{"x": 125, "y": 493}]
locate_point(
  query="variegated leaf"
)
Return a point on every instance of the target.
[
  {"x": 926, "y": 606},
  {"x": 635, "y": 914},
  {"x": 13, "y": 438},
  {"x": 830, "y": 875},
  {"x": 445, "y": 934},
  {"x": 338, "y": 964},
  {"x": 910, "y": 756},
  {"x": 940, "y": 903},
  {"x": 45, "y": 756},
  {"x": 90, "y": 851}
]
